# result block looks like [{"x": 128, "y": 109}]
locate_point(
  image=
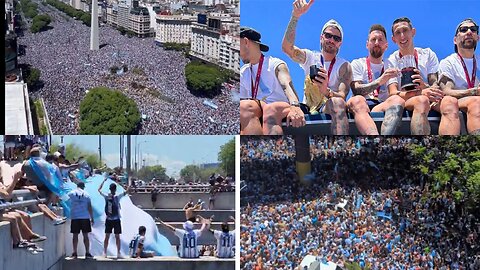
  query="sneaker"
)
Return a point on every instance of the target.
[
  {"x": 88, "y": 256},
  {"x": 37, "y": 238},
  {"x": 58, "y": 221},
  {"x": 74, "y": 256},
  {"x": 38, "y": 249},
  {"x": 119, "y": 256},
  {"x": 33, "y": 250}
]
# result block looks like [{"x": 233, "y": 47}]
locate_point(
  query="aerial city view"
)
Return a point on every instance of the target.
[{"x": 138, "y": 67}]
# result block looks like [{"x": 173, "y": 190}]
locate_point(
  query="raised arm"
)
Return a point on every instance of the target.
[
  {"x": 166, "y": 225},
  {"x": 300, "y": 7},
  {"x": 101, "y": 186}
]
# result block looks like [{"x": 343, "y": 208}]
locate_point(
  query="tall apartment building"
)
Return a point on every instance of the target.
[
  {"x": 140, "y": 21},
  {"x": 217, "y": 42},
  {"x": 112, "y": 15},
  {"x": 132, "y": 18},
  {"x": 230, "y": 52},
  {"x": 205, "y": 43},
  {"x": 174, "y": 28}
]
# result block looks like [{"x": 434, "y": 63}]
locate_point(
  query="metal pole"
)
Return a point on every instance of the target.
[
  {"x": 129, "y": 160},
  {"x": 100, "y": 148},
  {"x": 121, "y": 152},
  {"x": 136, "y": 146}
]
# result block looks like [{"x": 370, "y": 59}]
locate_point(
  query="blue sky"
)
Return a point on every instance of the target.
[
  {"x": 172, "y": 152},
  {"x": 435, "y": 21}
]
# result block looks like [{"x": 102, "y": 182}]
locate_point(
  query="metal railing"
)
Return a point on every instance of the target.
[
  {"x": 177, "y": 188},
  {"x": 20, "y": 204}
]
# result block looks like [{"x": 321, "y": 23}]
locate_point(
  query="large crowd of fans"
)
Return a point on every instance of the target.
[
  {"x": 69, "y": 69},
  {"x": 363, "y": 204}
]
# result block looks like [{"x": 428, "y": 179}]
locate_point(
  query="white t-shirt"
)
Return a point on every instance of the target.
[
  {"x": 188, "y": 243},
  {"x": 225, "y": 243},
  {"x": 360, "y": 74},
  {"x": 314, "y": 57},
  {"x": 427, "y": 63},
  {"x": 452, "y": 67},
  {"x": 269, "y": 88}
]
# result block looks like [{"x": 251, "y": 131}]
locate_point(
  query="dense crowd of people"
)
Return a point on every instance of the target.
[
  {"x": 364, "y": 203},
  {"x": 69, "y": 69}
]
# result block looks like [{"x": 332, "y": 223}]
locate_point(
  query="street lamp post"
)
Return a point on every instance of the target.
[{"x": 137, "y": 152}]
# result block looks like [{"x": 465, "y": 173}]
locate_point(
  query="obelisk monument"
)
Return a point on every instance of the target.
[{"x": 94, "y": 43}]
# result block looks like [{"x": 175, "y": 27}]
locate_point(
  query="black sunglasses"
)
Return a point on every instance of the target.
[
  {"x": 335, "y": 37},
  {"x": 464, "y": 29}
]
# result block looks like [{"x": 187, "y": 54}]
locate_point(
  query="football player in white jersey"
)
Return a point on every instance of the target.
[
  {"x": 460, "y": 73},
  {"x": 427, "y": 93},
  {"x": 266, "y": 90},
  {"x": 188, "y": 237},
  {"x": 225, "y": 241},
  {"x": 334, "y": 74},
  {"x": 369, "y": 82}
]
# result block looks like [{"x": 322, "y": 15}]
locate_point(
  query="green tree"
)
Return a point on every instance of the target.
[
  {"x": 105, "y": 111},
  {"x": 32, "y": 76},
  {"x": 226, "y": 156},
  {"x": 190, "y": 172},
  {"x": 148, "y": 172},
  {"x": 203, "y": 78},
  {"x": 74, "y": 151}
]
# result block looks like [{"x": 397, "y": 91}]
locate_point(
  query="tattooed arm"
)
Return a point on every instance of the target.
[
  {"x": 300, "y": 7},
  {"x": 448, "y": 87},
  {"x": 364, "y": 89},
  {"x": 344, "y": 79},
  {"x": 283, "y": 75},
  {"x": 295, "y": 116}
]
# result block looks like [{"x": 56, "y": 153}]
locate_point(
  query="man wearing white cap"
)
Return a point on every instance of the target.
[
  {"x": 460, "y": 73},
  {"x": 332, "y": 81},
  {"x": 188, "y": 237}
]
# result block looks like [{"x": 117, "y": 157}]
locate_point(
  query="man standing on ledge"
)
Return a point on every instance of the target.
[
  {"x": 267, "y": 95},
  {"x": 333, "y": 84},
  {"x": 459, "y": 73},
  {"x": 112, "y": 210}
]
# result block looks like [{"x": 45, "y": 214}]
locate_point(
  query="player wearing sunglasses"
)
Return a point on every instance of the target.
[
  {"x": 427, "y": 93},
  {"x": 327, "y": 91},
  {"x": 460, "y": 73}
]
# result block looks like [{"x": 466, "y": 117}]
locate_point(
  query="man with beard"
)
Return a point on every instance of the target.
[
  {"x": 334, "y": 76},
  {"x": 266, "y": 90},
  {"x": 459, "y": 73},
  {"x": 368, "y": 85},
  {"x": 427, "y": 93}
]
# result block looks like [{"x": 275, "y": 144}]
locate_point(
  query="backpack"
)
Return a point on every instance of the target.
[{"x": 111, "y": 206}]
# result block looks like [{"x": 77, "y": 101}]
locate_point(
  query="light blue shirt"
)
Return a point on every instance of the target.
[{"x": 79, "y": 202}]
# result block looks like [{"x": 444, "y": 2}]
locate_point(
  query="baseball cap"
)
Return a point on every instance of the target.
[
  {"x": 470, "y": 20},
  {"x": 188, "y": 225},
  {"x": 253, "y": 35},
  {"x": 333, "y": 23}
]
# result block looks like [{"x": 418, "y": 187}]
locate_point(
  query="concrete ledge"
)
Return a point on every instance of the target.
[
  {"x": 21, "y": 259},
  {"x": 320, "y": 124},
  {"x": 223, "y": 201},
  {"x": 156, "y": 263},
  {"x": 172, "y": 215}
]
